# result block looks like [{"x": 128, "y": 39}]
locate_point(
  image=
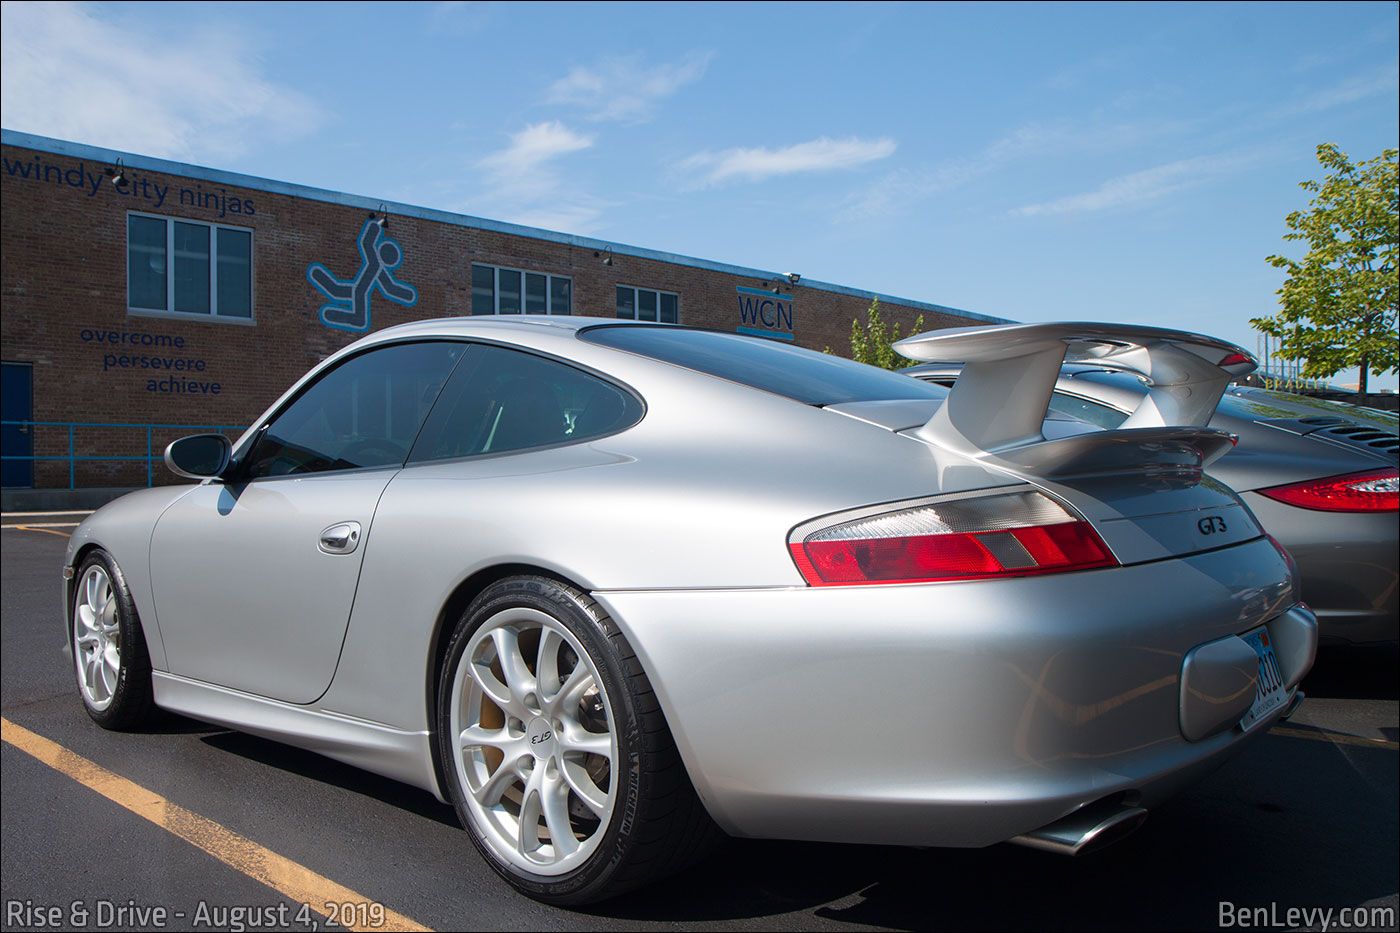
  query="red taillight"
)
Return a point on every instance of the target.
[
  {"x": 1003, "y": 535},
  {"x": 1373, "y": 491}
]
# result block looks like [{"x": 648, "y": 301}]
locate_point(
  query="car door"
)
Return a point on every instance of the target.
[{"x": 255, "y": 576}]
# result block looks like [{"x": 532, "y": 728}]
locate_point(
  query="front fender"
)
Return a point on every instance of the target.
[{"x": 123, "y": 529}]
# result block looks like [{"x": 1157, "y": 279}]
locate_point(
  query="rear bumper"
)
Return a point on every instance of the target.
[
  {"x": 954, "y": 714},
  {"x": 1348, "y": 567}
]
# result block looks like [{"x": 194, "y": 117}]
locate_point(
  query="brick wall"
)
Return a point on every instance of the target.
[{"x": 63, "y": 233}]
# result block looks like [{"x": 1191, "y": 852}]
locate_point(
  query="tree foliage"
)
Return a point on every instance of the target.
[
  {"x": 1339, "y": 303},
  {"x": 874, "y": 343}
]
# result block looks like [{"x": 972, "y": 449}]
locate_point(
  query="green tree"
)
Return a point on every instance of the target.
[
  {"x": 1340, "y": 301},
  {"x": 874, "y": 343}
]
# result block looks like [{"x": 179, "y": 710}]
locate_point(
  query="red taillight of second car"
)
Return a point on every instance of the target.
[
  {"x": 1373, "y": 491},
  {"x": 1005, "y": 535}
]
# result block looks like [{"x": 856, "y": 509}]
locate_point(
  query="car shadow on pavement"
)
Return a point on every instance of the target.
[
  {"x": 167, "y": 723},
  {"x": 1291, "y": 823},
  {"x": 1355, "y": 673},
  {"x": 328, "y": 771}
]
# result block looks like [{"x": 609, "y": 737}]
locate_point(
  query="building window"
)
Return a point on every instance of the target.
[
  {"x": 184, "y": 267},
  {"x": 643, "y": 304},
  {"x": 512, "y": 291}
]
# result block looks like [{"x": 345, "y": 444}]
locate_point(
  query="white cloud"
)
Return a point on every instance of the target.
[
  {"x": 1138, "y": 187},
  {"x": 817, "y": 155},
  {"x": 1358, "y": 87},
  {"x": 900, "y": 188},
  {"x": 578, "y": 217},
  {"x": 459, "y": 17},
  {"x": 533, "y": 146},
  {"x": 1071, "y": 77},
  {"x": 624, "y": 88},
  {"x": 524, "y": 185},
  {"x": 67, "y": 72}
]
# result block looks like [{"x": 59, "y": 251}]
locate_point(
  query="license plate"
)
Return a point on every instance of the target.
[{"x": 1270, "y": 693}]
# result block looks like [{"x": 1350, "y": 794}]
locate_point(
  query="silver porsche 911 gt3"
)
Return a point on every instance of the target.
[{"x": 610, "y": 588}]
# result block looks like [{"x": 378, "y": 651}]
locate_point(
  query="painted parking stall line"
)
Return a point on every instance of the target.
[
  {"x": 1336, "y": 738},
  {"x": 288, "y": 878},
  {"x": 47, "y": 531}
]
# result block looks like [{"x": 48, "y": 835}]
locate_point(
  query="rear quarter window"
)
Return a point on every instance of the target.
[{"x": 500, "y": 400}]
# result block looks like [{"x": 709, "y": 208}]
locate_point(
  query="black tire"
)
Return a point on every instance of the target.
[
  {"x": 110, "y": 659},
  {"x": 653, "y": 823}
]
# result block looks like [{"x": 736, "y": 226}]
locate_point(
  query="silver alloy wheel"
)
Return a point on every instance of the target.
[
  {"x": 534, "y": 742},
  {"x": 96, "y": 638}
]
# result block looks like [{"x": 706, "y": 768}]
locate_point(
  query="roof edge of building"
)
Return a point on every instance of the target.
[{"x": 152, "y": 164}]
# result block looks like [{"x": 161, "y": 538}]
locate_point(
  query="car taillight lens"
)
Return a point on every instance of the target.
[
  {"x": 1373, "y": 491},
  {"x": 1003, "y": 535}
]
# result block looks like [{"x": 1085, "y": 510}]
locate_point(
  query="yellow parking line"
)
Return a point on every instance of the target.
[
  {"x": 47, "y": 531},
  {"x": 294, "y": 881},
  {"x": 1337, "y": 738}
]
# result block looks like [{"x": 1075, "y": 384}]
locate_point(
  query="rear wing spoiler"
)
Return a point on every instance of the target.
[{"x": 998, "y": 404}]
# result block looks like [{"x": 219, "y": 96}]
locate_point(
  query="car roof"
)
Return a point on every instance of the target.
[{"x": 494, "y": 325}]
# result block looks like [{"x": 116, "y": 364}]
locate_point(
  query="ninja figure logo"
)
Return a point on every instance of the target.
[{"x": 348, "y": 308}]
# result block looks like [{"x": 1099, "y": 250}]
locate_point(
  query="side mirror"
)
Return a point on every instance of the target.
[{"x": 199, "y": 456}]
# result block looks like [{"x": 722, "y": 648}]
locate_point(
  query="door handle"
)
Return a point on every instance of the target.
[{"x": 340, "y": 538}]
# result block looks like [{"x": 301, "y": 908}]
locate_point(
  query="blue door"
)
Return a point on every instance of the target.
[{"x": 17, "y": 434}]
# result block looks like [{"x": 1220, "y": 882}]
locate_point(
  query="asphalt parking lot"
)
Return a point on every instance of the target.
[{"x": 190, "y": 826}]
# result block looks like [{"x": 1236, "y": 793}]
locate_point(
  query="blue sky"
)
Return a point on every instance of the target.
[{"x": 1036, "y": 162}]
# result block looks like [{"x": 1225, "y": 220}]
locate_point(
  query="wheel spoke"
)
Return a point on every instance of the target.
[
  {"x": 571, "y": 694},
  {"x": 87, "y": 619},
  {"x": 527, "y": 837},
  {"x": 91, "y": 588},
  {"x": 486, "y": 681},
  {"x": 547, "y": 665},
  {"x": 510, "y": 746},
  {"x": 518, "y": 677},
  {"x": 92, "y": 674},
  {"x": 582, "y": 784},
  {"x": 489, "y": 793},
  {"x": 573, "y": 738},
  {"x": 554, "y": 802}
]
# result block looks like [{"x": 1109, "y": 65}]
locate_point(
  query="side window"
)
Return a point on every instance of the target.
[
  {"x": 501, "y": 400},
  {"x": 364, "y": 413},
  {"x": 1085, "y": 410}
]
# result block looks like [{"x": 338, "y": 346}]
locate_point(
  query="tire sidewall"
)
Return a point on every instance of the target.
[
  {"x": 566, "y": 606},
  {"x": 131, "y": 642}
]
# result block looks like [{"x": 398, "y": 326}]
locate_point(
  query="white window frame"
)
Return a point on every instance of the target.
[
  {"x": 637, "y": 304},
  {"x": 169, "y": 312},
  {"x": 549, "y": 278}
]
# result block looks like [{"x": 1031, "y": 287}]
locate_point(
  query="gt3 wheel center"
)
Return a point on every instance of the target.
[{"x": 541, "y": 737}]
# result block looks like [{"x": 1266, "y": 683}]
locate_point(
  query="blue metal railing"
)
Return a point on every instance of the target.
[{"x": 73, "y": 459}]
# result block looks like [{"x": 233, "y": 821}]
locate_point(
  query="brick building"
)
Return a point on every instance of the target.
[{"x": 187, "y": 297}]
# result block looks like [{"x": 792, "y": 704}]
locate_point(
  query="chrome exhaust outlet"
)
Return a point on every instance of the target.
[
  {"x": 1293, "y": 704},
  {"x": 1086, "y": 829}
]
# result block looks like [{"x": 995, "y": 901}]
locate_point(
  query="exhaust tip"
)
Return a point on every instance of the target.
[{"x": 1086, "y": 830}]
